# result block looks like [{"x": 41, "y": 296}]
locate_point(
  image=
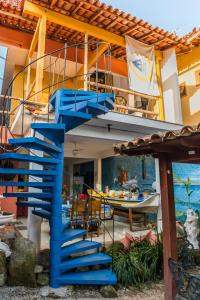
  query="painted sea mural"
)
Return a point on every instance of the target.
[{"x": 181, "y": 173}]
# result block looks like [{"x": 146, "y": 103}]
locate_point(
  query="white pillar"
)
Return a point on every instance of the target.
[
  {"x": 159, "y": 213},
  {"x": 170, "y": 85},
  {"x": 97, "y": 174},
  {"x": 34, "y": 222},
  {"x": 86, "y": 62}
]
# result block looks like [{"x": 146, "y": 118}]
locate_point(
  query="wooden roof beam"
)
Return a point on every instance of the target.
[
  {"x": 74, "y": 35},
  {"x": 33, "y": 42},
  {"x": 95, "y": 16},
  {"x": 73, "y": 12},
  {"x": 8, "y": 14},
  {"x": 147, "y": 34},
  {"x": 112, "y": 23},
  {"x": 53, "y": 3},
  {"x": 67, "y": 21},
  {"x": 94, "y": 57},
  {"x": 130, "y": 30}
]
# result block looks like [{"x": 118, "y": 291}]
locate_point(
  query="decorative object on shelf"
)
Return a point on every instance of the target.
[
  {"x": 6, "y": 218},
  {"x": 131, "y": 185},
  {"x": 120, "y": 100},
  {"x": 65, "y": 193},
  {"x": 123, "y": 176}
]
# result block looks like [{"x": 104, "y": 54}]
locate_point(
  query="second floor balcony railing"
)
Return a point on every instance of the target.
[{"x": 64, "y": 68}]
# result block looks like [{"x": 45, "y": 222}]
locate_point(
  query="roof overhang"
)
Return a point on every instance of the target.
[
  {"x": 70, "y": 21},
  {"x": 178, "y": 145}
]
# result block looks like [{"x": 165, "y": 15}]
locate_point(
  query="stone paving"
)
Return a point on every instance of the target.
[{"x": 146, "y": 292}]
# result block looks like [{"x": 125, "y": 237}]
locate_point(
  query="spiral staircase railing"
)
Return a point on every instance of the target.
[
  {"x": 30, "y": 103},
  {"x": 57, "y": 77}
]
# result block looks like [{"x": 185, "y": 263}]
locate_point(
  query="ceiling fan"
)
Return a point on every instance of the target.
[{"x": 76, "y": 150}]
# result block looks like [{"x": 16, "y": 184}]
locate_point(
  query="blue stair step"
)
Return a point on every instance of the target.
[
  {"x": 39, "y": 204},
  {"x": 73, "y": 119},
  {"x": 36, "y": 144},
  {"x": 74, "y": 106},
  {"x": 100, "y": 277},
  {"x": 109, "y": 103},
  {"x": 66, "y": 225},
  {"x": 78, "y": 247},
  {"x": 42, "y": 213},
  {"x": 53, "y": 131},
  {"x": 28, "y": 195},
  {"x": 92, "y": 108},
  {"x": 71, "y": 234},
  {"x": 93, "y": 97},
  {"x": 96, "y": 109},
  {"x": 85, "y": 260},
  {"x": 76, "y": 115},
  {"x": 35, "y": 184},
  {"x": 29, "y": 158},
  {"x": 62, "y": 93},
  {"x": 37, "y": 173}
]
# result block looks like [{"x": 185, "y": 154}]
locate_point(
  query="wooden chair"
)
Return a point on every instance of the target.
[
  {"x": 79, "y": 213},
  {"x": 94, "y": 216}
]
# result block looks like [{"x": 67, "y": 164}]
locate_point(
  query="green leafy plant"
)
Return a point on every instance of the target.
[
  {"x": 187, "y": 184},
  {"x": 141, "y": 263}
]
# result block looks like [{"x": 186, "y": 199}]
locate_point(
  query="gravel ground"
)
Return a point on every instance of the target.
[{"x": 146, "y": 292}]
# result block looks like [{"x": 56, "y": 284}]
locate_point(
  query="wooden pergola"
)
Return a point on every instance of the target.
[{"x": 173, "y": 146}]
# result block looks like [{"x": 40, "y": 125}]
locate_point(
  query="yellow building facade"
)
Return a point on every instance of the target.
[{"x": 189, "y": 81}]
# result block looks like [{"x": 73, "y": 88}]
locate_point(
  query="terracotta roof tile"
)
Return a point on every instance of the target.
[
  {"x": 98, "y": 14},
  {"x": 166, "y": 138}
]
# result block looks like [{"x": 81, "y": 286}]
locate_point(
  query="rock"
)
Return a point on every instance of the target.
[
  {"x": 197, "y": 257},
  {"x": 38, "y": 269},
  {"x": 178, "y": 297},
  {"x": 44, "y": 291},
  {"x": 5, "y": 248},
  {"x": 108, "y": 291},
  {"x": 43, "y": 279},
  {"x": 62, "y": 292},
  {"x": 7, "y": 232},
  {"x": 3, "y": 269},
  {"x": 44, "y": 258},
  {"x": 22, "y": 263}
]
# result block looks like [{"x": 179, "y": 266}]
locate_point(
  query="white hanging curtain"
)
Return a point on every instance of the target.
[{"x": 141, "y": 67}]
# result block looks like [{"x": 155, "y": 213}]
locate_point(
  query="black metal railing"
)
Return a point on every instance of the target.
[
  {"x": 61, "y": 66},
  {"x": 101, "y": 218}
]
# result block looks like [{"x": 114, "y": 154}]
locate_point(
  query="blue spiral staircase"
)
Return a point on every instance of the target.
[{"x": 72, "y": 108}]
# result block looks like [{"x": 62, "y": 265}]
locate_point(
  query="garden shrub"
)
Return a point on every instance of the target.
[{"x": 142, "y": 262}]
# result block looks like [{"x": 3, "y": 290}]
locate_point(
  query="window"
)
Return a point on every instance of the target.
[{"x": 3, "y": 54}]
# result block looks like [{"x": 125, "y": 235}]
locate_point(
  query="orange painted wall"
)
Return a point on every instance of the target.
[
  {"x": 8, "y": 204},
  {"x": 23, "y": 40}
]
